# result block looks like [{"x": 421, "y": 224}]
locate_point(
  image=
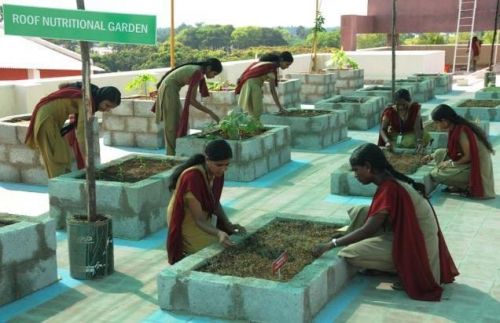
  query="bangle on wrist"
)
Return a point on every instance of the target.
[{"x": 334, "y": 242}]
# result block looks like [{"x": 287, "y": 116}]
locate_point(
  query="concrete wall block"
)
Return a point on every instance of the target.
[
  {"x": 19, "y": 242},
  {"x": 21, "y": 132},
  {"x": 136, "y": 124},
  {"x": 152, "y": 192},
  {"x": 211, "y": 296},
  {"x": 119, "y": 138},
  {"x": 8, "y": 133},
  {"x": 261, "y": 166},
  {"x": 338, "y": 182},
  {"x": 273, "y": 160},
  {"x": 185, "y": 146},
  {"x": 9, "y": 173},
  {"x": 343, "y": 132},
  {"x": 62, "y": 190},
  {"x": 147, "y": 140},
  {"x": 307, "y": 141},
  {"x": 321, "y": 123},
  {"x": 154, "y": 127},
  {"x": 142, "y": 108},
  {"x": 244, "y": 172},
  {"x": 285, "y": 155},
  {"x": 22, "y": 155},
  {"x": 342, "y": 83},
  {"x": 129, "y": 226},
  {"x": 269, "y": 143},
  {"x": 36, "y": 275},
  {"x": 4, "y": 152},
  {"x": 302, "y": 77},
  {"x": 110, "y": 197},
  {"x": 113, "y": 123},
  {"x": 126, "y": 108},
  {"x": 37, "y": 176},
  {"x": 280, "y": 137},
  {"x": 107, "y": 138},
  {"x": 7, "y": 284}
]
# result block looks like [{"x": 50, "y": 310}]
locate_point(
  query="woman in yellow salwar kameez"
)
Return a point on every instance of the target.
[{"x": 47, "y": 132}]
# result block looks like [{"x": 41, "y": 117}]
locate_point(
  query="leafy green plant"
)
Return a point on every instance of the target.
[
  {"x": 340, "y": 60},
  {"x": 234, "y": 126},
  {"x": 221, "y": 86},
  {"x": 143, "y": 83}
]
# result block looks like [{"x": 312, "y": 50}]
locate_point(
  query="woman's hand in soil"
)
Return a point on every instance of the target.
[
  {"x": 236, "y": 228},
  {"x": 426, "y": 159},
  {"x": 224, "y": 239},
  {"x": 319, "y": 249}
]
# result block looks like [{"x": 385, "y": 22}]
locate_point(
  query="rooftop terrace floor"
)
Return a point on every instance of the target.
[{"x": 471, "y": 229}]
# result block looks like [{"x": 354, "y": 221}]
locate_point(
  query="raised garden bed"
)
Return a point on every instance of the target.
[
  {"x": 311, "y": 129},
  {"x": 252, "y": 157},
  {"x": 384, "y": 92},
  {"x": 220, "y": 102},
  {"x": 28, "y": 255},
  {"x": 137, "y": 208},
  {"x": 363, "y": 112},
  {"x": 487, "y": 110},
  {"x": 422, "y": 89},
  {"x": 488, "y": 93},
  {"x": 314, "y": 86},
  {"x": 347, "y": 80},
  {"x": 132, "y": 124},
  {"x": 296, "y": 298},
  {"x": 288, "y": 93},
  {"x": 442, "y": 82},
  {"x": 440, "y": 138},
  {"x": 405, "y": 161}
]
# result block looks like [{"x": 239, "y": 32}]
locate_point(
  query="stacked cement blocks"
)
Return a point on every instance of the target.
[
  {"x": 220, "y": 102},
  {"x": 363, "y": 112},
  {"x": 479, "y": 112},
  {"x": 314, "y": 132},
  {"x": 132, "y": 124},
  {"x": 440, "y": 138},
  {"x": 347, "y": 81},
  {"x": 252, "y": 157},
  {"x": 423, "y": 89},
  {"x": 18, "y": 162},
  {"x": 343, "y": 181},
  {"x": 314, "y": 87},
  {"x": 137, "y": 209},
  {"x": 442, "y": 82},
  {"x": 488, "y": 93},
  {"x": 383, "y": 92},
  {"x": 182, "y": 288},
  {"x": 28, "y": 255},
  {"x": 288, "y": 93}
]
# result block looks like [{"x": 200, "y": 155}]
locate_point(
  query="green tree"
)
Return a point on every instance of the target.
[
  {"x": 245, "y": 37},
  {"x": 206, "y": 36},
  {"x": 325, "y": 39},
  {"x": 371, "y": 40},
  {"x": 426, "y": 38}
]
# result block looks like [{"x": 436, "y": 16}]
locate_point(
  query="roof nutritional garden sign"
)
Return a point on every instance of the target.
[{"x": 79, "y": 25}]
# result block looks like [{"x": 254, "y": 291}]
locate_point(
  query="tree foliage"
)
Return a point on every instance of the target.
[{"x": 245, "y": 37}]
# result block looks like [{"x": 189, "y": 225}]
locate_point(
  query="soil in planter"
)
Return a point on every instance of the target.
[
  {"x": 480, "y": 104},
  {"x": 23, "y": 121},
  {"x": 303, "y": 113},
  {"x": 135, "y": 170},
  {"x": 404, "y": 163},
  {"x": 378, "y": 88},
  {"x": 218, "y": 134},
  {"x": 254, "y": 256},
  {"x": 352, "y": 100}
]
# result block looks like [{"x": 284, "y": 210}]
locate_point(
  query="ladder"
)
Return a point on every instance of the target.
[{"x": 465, "y": 23}]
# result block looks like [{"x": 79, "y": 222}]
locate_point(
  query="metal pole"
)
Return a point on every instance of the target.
[
  {"x": 494, "y": 37},
  {"x": 89, "y": 132},
  {"x": 393, "y": 49},
  {"x": 172, "y": 35}
]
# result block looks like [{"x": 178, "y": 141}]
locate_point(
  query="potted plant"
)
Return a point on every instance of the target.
[
  {"x": 348, "y": 75},
  {"x": 141, "y": 84},
  {"x": 222, "y": 100}
]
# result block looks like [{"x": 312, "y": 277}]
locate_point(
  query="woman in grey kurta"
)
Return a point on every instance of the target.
[
  {"x": 168, "y": 103},
  {"x": 465, "y": 166}
]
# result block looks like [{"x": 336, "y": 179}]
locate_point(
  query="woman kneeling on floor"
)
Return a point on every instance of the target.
[{"x": 398, "y": 233}]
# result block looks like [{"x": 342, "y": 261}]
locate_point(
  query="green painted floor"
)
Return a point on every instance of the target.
[{"x": 471, "y": 229}]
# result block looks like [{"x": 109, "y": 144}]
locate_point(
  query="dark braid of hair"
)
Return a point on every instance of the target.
[
  {"x": 419, "y": 187},
  {"x": 445, "y": 112},
  {"x": 214, "y": 63}
]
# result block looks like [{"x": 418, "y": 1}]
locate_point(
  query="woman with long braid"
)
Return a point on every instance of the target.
[
  {"x": 168, "y": 103},
  {"x": 398, "y": 233},
  {"x": 465, "y": 166},
  {"x": 250, "y": 83}
]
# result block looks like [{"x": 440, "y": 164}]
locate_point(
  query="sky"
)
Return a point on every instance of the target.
[{"x": 264, "y": 13}]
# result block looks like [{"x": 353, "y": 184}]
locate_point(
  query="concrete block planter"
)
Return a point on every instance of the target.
[
  {"x": 440, "y": 138},
  {"x": 220, "y": 102},
  {"x": 343, "y": 181},
  {"x": 314, "y": 86},
  {"x": 312, "y": 132},
  {"x": 137, "y": 209},
  {"x": 28, "y": 255},
  {"x": 488, "y": 93},
  {"x": 423, "y": 89},
  {"x": 18, "y": 162},
  {"x": 288, "y": 93},
  {"x": 363, "y": 112},
  {"x": 182, "y": 288},
  {"x": 476, "y": 110},
  {"x": 252, "y": 157},
  {"x": 347, "y": 81},
  {"x": 132, "y": 124},
  {"x": 442, "y": 82},
  {"x": 385, "y": 92}
]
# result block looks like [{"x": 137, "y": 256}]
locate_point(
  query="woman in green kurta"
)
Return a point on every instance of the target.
[
  {"x": 251, "y": 81},
  {"x": 168, "y": 103},
  {"x": 465, "y": 166},
  {"x": 46, "y": 133}
]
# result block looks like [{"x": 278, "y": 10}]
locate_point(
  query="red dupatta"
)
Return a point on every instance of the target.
[
  {"x": 408, "y": 248},
  {"x": 64, "y": 93},
  {"x": 256, "y": 71},
  {"x": 196, "y": 78},
  {"x": 475, "y": 182},
  {"x": 194, "y": 181},
  {"x": 396, "y": 123}
]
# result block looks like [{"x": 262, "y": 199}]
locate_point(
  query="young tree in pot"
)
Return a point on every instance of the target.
[
  {"x": 319, "y": 21},
  {"x": 141, "y": 84}
]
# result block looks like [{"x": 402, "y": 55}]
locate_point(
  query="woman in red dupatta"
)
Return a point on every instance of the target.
[
  {"x": 250, "y": 83},
  {"x": 195, "y": 216},
  {"x": 465, "y": 166},
  {"x": 401, "y": 124},
  {"x": 168, "y": 103},
  {"x": 400, "y": 232},
  {"x": 46, "y": 130}
]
